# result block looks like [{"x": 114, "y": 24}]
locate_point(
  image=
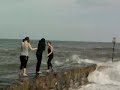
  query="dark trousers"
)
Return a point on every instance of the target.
[
  {"x": 49, "y": 61},
  {"x": 23, "y": 60},
  {"x": 39, "y": 59}
]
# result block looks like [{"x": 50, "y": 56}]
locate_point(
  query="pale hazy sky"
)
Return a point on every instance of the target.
[{"x": 79, "y": 20}]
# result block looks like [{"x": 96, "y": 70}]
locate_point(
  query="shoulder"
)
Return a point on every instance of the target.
[
  {"x": 28, "y": 44},
  {"x": 51, "y": 47}
]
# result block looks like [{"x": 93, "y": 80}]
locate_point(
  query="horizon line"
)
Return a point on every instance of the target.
[{"x": 58, "y": 40}]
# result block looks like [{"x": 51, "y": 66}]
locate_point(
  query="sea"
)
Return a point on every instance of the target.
[{"x": 66, "y": 53}]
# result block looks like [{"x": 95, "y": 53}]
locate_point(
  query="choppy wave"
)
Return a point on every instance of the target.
[
  {"x": 69, "y": 53},
  {"x": 74, "y": 59},
  {"x": 105, "y": 79}
]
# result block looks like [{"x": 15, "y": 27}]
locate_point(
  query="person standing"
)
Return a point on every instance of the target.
[
  {"x": 41, "y": 48},
  {"x": 25, "y": 45},
  {"x": 50, "y": 56}
]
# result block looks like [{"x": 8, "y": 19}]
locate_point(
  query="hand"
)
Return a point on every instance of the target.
[
  {"x": 34, "y": 48},
  {"x": 47, "y": 55}
]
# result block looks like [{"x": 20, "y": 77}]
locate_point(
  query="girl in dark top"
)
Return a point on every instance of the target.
[
  {"x": 41, "y": 48},
  {"x": 50, "y": 56}
]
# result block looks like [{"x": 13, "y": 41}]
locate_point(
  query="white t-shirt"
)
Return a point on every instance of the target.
[{"x": 24, "y": 49}]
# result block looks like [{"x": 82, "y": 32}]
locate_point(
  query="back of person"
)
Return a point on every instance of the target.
[
  {"x": 41, "y": 46},
  {"x": 24, "y": 49},
  {"x": 24, "y": 55}
]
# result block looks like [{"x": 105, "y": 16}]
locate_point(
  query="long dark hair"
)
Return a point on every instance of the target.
[{"x": 41, "y": 45}]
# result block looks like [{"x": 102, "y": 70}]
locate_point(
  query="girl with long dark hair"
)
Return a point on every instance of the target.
[{"x": 41, "y": 48}]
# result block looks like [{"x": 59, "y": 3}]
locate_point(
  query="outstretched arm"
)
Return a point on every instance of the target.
[{"x": 31, "y": 47}]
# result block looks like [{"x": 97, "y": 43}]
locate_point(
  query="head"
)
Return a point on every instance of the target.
[
  {"x": 49, "y": 43},
  {"x": 41, "y": 44},
  {"x": 26, "y": 39},
  {"x": 42, "y": 40}
]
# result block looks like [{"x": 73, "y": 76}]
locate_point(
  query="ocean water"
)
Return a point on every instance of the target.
[{"x": 66, "y": 54}]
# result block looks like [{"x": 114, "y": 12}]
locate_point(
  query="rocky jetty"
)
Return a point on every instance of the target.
[{"x": 60, "y": 79}]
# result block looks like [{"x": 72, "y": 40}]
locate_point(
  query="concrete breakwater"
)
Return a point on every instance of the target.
[{"x": 62, "y": 79}]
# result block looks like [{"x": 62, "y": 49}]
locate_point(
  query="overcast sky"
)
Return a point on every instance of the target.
[{"x": 76, "y": 20}]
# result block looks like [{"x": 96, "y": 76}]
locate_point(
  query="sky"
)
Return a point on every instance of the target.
[{"x": 65, "y": 20}]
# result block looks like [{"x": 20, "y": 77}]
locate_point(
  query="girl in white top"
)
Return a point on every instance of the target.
[{"x": 25, "y": 45}]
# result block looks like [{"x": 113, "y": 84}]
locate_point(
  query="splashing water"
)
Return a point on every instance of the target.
[
  {"x": 104, "y": 79},
  {"x": 74, "y": 59},
  {"x": 77, "y": 59},
  {"x": 58, "y": 63}
]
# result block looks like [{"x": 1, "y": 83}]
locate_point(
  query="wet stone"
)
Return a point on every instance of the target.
[{"x": 62, "y": 79}]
